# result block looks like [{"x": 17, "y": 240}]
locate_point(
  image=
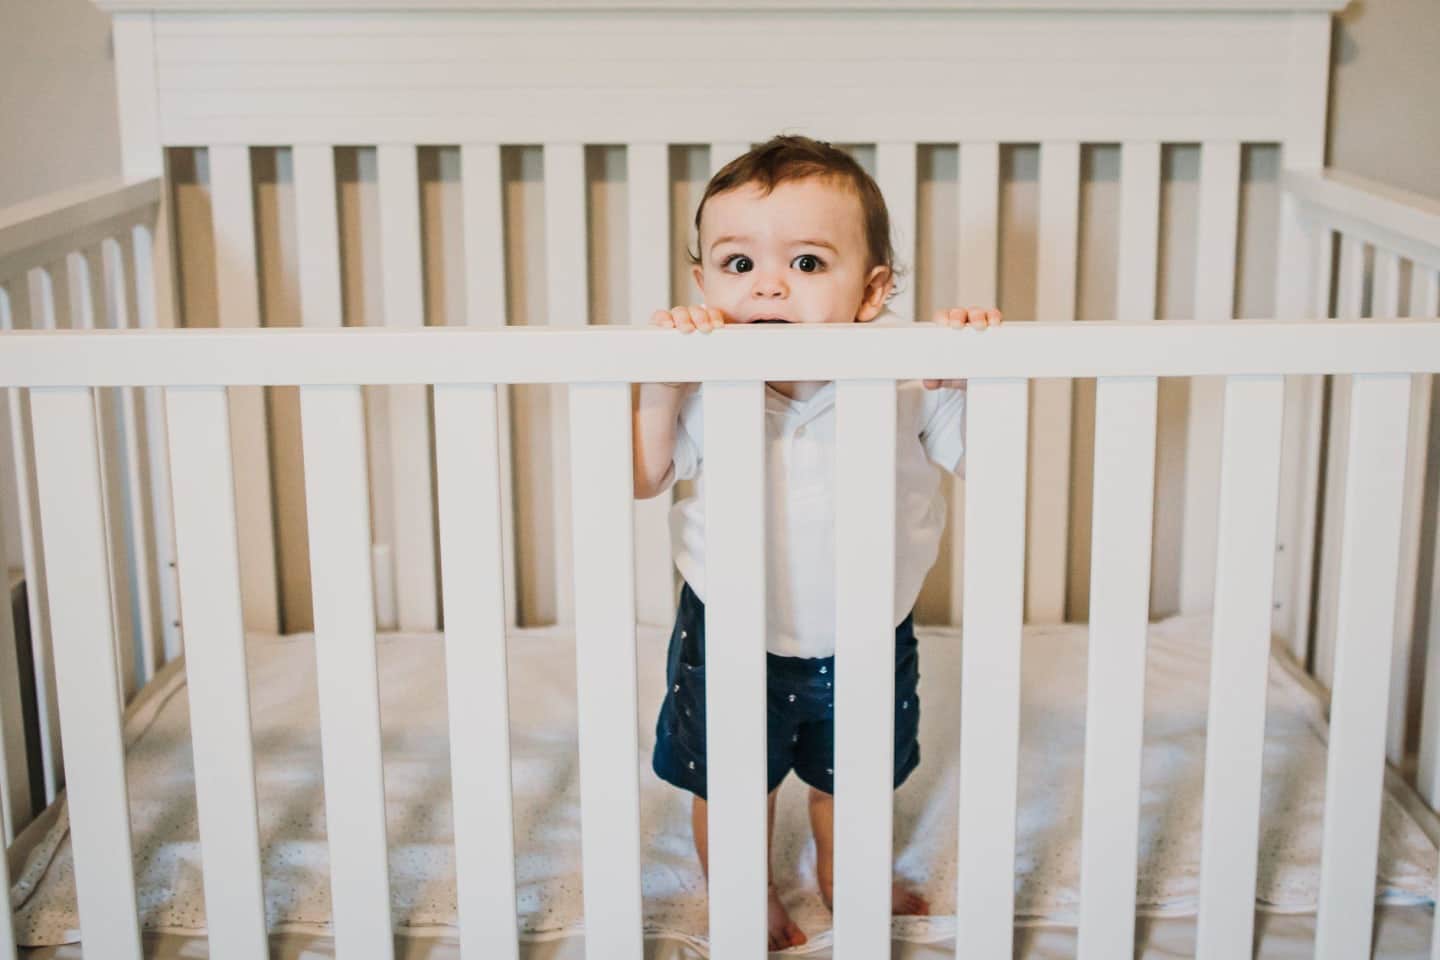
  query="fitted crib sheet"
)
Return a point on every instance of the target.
[{"x": 545, "y": 775}]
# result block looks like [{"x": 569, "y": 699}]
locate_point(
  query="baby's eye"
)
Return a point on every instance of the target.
[
  {"x": 808, "y": 263},
  {"x": 743, "y": 264}
]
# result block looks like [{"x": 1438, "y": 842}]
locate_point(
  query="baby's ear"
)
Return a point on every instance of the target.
[
  {"x": 699, "y": 276},
  {"x": 877, "y": 289}
]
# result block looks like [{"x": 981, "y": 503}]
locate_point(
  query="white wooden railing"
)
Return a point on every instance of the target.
[
  {"x": 64, "y": 376},
  {"x": 1378, "y": 231},
  {"x": 63, "y": 369},
  {"x": 81, "y": 260}
]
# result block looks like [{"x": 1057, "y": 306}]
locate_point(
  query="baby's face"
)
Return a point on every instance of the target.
[{"x": 795, "y": 255}]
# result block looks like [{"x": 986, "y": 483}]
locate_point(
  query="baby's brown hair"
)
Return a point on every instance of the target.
[{"x": 794, "y": 157}]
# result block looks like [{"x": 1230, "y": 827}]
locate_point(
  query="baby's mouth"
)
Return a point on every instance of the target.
[{"x": 767, "y": 320}]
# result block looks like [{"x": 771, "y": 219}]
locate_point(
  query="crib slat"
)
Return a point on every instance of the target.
[
  {"x": 1214, "y": 300},
  {"x": 125, "y": 270},
  {"x": 896, "y": 174},
  {"x": 205, "y": 522},
  {"x": 1385, "y": 304},
  {"x": 1119, "y": 606},
  {"x": 1348, "y": 299},
  {"x": 1239, "y": 663},
  {"x": 648, "y": 184},
  {"x": 14, "y": 774},
  {"x": 467, "y": 448},
  {"x": 68, "y": 473},
  {"x": 1364, "y": 620},
  {"x": 990, "y": 671},
  {"x": 977, "y": 276},
  {"x": 566, "y": 272},
  {"x": 602, "y": 483},
  {"x": 81, "y": 304},
  {"x": 317, "y": 233},
  {"x": 409, "y": 406},
  {"x": 237, "y": 290},
  {"x": 481, "y": 183},
  {"x": 157, "y": 457},
  {"x": 1048, "y": 525},
  {"x": 864, "y": 666},
  {"x": 1302, "y": 290},
  {"x": 1425, "y": 302},
  {"x": 735, "y": 698},
  {"x": 1139, "y": 230},
  {"x": 332, "y": 427},
  {"x": 32, "y": 548}
]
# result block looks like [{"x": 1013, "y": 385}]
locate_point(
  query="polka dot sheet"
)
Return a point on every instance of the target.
[{"x": 546, "y": 782}]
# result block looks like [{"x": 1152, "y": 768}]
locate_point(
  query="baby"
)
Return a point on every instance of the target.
[{"x": 794, "y": 231}]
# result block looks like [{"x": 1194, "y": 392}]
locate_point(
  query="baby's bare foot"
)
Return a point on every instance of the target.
[
  {"x": 783, "y": 931},
  {"x": 904, "y": 902}
]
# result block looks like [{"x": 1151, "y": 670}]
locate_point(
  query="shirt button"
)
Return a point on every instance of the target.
[
  {"x": 824, "y": 669},
  {"x": 792, "y": 698}
]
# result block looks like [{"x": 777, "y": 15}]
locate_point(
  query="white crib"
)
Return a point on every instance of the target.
[{"x": 139, "y": 473}]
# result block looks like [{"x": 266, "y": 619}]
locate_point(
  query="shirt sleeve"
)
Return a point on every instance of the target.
[
  {"x": 943, "y": 430},
  {"x": 689, "y": 437}
]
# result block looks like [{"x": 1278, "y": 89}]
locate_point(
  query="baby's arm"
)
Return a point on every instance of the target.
[
  {"x": 655, "y": 407},
  {"x": 655, "y": 410}
]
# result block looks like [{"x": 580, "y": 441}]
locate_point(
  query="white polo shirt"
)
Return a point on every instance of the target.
[{"x": 800, "y": 505}]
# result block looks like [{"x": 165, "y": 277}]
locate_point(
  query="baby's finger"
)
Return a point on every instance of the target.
[
  {"x": 717, "y": 317},
  {"x": 931, "y": 384},
  {"x": 662, "y": 318},
  {"x": 681, "y": 316},
  {"x": 992, "y": 317},
  {"x": 700, "y": 318},
  {"x": 976, "y": 317}
]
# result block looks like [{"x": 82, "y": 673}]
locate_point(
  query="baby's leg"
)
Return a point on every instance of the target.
[
  {"x": 903, "y": 900},
  {"x": 783, "y": 931}
]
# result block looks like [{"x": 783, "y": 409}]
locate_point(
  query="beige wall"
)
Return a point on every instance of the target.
[
  {"x": 1384, "y": 87},
  {"x": 57, "y": 97}
]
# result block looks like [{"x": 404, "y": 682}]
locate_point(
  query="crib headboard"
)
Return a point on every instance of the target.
[{"x": 564, "y": 141}]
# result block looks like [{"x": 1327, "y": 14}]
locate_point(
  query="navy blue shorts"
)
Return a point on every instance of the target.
[{"x": 800, "y": 719}]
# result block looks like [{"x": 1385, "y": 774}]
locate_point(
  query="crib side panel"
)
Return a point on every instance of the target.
[{"x": 447, "y": 77}]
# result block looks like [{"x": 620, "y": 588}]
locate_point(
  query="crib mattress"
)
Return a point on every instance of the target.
[{"x": 544, "y": 772}]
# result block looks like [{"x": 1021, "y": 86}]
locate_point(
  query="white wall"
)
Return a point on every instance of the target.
[{"x": 57, "y": 97}]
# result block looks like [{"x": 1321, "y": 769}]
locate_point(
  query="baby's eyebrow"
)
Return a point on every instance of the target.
[{"x": 797, "y": 243}]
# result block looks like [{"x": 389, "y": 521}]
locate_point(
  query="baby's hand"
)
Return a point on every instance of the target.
[
  {"x": 959, "y": 318},
  {"x": 687, "y": 319}
]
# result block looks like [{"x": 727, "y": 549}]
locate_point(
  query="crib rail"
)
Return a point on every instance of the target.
[
  {"x": 63, "y": 369},
  {"x": 81, "y": 259},
  {"x": 1373, "y": 251}
]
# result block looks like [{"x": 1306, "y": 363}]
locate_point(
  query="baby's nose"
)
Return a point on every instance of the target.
[{"x": 769, "y": 287}]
